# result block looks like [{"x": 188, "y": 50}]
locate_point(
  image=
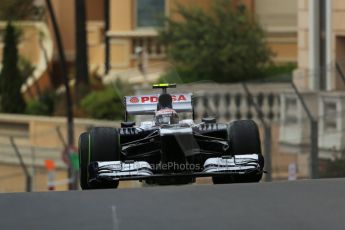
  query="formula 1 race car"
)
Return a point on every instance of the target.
[{"x": 167, "y": 150}]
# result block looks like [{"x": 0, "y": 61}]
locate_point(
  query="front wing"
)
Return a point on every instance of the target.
[{"x": 141, "y": 170}]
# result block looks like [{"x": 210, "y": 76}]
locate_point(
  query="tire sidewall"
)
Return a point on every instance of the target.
[{"x": 83, "y": 149}]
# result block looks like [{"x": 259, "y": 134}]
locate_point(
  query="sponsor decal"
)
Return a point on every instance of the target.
[
  {"x": 154, "y": 99},
  {"x": 179, "y": 98},
  {"x": 134, "y": 100},
  {"x": 150, "y": 99}
]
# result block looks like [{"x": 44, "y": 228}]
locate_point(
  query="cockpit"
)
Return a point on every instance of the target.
[
  {"x": 166, "y": 117},
  {"x": 165, "y": 114}
]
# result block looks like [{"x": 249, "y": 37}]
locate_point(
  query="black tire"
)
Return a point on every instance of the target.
[
  {"x": 244, "y": 138},
  {"x": 101, "y": 144},
  {"x": 83, "y": 148}
]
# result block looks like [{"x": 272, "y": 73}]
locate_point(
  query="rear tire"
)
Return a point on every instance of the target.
[
  {"x": 101, "y": 144},
  {"x": 244, "y": 138}
]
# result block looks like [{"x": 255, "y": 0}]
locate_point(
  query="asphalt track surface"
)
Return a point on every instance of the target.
[{"x": 310, "y": 204}]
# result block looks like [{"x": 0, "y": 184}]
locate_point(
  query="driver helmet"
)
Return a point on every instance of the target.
[{"x": 166, "y": 116}]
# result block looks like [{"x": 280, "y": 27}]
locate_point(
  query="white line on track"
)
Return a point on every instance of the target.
[{"x": 114, "y": 217}]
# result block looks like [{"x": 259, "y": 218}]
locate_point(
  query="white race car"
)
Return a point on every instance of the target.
[{"x": 167, "y": 150}]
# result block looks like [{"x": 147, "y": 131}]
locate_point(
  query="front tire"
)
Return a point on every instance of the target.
[
  {"x": 100, "y": 144},
  {"x": 243, "y": 138},
  {"x": 83, "y": 148}
]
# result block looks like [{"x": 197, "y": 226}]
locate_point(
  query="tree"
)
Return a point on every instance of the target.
[
  {"x": 11, "y": 78},
  {"x": 224, "y": 44},
  {"x": 20, "y": 10},
  {"x": 44, "y": 105},
  {"x": 107, "y": 103}
]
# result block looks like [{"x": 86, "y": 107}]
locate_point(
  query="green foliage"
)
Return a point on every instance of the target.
[
  {"x": 108, "y": 103},
  {"x": 223, "y": 45},
  {"x": 281, "y": 69},
  {"x": 20, "y": 10},
  {"x": 279, "y": 73},
  {"x": 44, "y": 105},
  {"x": 11, "y": 79},
  {"x": 25, "y": 67},
  {"x": 103, "y": 105},
  {"x": 35, "y": 107},
  {"x": 333, "y": 168}
]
